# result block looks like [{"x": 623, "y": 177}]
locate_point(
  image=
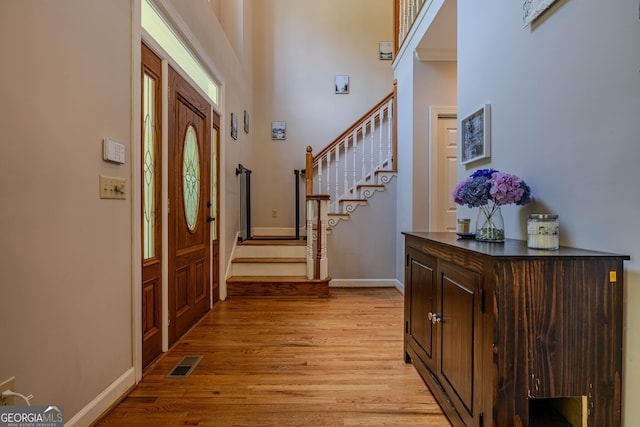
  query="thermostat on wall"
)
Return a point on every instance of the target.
[{"x": 112, "y": 151}]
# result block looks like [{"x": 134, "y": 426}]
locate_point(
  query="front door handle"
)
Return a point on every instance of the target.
[{"x": 434, "y": 317}]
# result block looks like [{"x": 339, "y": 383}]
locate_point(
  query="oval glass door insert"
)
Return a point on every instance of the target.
[{"x": 191, "y": 177}]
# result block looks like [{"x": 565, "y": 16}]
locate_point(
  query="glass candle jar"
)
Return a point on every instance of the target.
[
  {"x": 543, "y": 231},
  {"x": 463, "y": 225}
]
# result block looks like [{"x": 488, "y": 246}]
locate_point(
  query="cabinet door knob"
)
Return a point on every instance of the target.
[{"x": 434, "y": 317}]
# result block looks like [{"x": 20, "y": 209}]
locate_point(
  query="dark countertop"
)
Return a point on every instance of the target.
[{"x": 508, "y": 248}]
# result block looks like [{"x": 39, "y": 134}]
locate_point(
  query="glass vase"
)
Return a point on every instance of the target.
[{"x": 489, "y": 223}]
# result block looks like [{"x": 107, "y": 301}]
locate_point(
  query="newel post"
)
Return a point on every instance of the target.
[
  {"x": 309, "y": 171},
  {"x": 317, "y": 260}
]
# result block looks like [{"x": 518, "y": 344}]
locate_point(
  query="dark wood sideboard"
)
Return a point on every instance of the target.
[{"x": 508, "y": 336}]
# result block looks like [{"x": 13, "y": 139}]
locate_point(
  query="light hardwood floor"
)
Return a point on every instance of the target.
[{"x": 334, "y": 361}]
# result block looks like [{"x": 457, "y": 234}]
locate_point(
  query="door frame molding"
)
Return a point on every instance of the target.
[
  {"x": 138, "y": 37},
  {"x": 435, "y": 113}
]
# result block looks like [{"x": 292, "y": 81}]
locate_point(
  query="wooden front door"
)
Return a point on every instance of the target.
[
  {"x": 189, "y": 206},
  {"x": 151, "y": 202}
]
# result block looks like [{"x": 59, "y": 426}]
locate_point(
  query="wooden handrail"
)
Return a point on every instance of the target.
[
  {"x": 357, "y": 125},
  {"x": 396, "y": 27}
]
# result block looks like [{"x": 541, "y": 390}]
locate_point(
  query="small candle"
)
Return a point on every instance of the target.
[
  {"x": 543, "y": 231},
  {"x": 463, "y": 225}
]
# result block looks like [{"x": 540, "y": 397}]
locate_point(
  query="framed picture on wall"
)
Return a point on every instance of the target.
[
  {"x": 385, "y": 50},
  {"x": 531, "y": 9},
  {"x": 475, "y": 135},
  {"x": 279, "y": 130},
  {"x": 342, "y": 84},
  {"x": 234, "y": 126}
]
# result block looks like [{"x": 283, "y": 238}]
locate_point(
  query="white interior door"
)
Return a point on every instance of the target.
[{"x": 443, "y": 178}]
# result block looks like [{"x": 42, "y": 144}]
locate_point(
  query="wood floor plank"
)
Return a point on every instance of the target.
[{"x": 289, "y": 361}]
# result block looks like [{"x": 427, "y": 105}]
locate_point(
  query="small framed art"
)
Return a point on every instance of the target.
[
  {"x": 475, "y": 139},
  {"x": 385, "y": 50},
  {"x": 234, "y": 126},
  {"x": 342, "y": 84},
  {"x": 531, "y": 9},
  {"x": 279, "y": 130}
]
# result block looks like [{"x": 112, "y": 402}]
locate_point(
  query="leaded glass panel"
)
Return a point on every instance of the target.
[
  {"x": 149, "y": 169},
  {"x": 191, "y": 177}
]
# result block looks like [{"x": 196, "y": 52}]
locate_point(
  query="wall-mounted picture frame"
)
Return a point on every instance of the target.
[
  {"x": 531, "y": 9},
  {"x": 342, "y": 84},
  {"x": 475, "y": 135},
  {"x": 234, "y": 126},
  {"x": 246, "y": 121},
  {"x": 279, "y": 130},
  {"x": 385, "y": 51}
]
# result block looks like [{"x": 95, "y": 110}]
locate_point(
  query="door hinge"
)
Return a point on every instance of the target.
[
  {"x": 168, "y": 205},
  {"x": 481, "y": 300},
  {"x": 481, "y": 419}
]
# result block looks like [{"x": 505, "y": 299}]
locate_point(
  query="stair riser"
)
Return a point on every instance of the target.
[
  {"x": 269, "y": 269},
  {"x": 278, "y": 289},
  {"x": 268, "y": 251}
]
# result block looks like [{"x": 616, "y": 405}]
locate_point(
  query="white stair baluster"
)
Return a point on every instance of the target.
[
  {"x": 328, "y": 172},
  {"x": 323, "y": 221},
  {"x": 380, "y": 162},
  {"x": 346, "y": 169},
  {"x": 390, "y": 132},
  {"x": 373, "y": 143},
  {"x": 320, "y": 175},
  {"x": 354, "y": 148},
  {"x": 364, "y": 149},
  {"x": 335, "y": 200}
]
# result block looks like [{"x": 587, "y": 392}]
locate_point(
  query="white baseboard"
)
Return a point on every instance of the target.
[
  {"x": 366, "y": 283},
  {"x": 277, "y": 231},
  {"x": 104, "y": 400}
]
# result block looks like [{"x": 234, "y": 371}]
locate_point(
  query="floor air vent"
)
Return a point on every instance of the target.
[{"x": 184, "y": 367}]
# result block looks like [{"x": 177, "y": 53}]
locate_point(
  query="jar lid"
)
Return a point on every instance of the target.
[{"x": 543, "y": 216}]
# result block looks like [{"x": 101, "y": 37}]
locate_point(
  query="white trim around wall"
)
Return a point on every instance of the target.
[
  {"x": 366, "y": 283},
  {"x": 98, "y": 406}
]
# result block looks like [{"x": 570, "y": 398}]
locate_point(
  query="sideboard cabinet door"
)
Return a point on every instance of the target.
[
  {"x": 459, "y": 359},
  {"x": 420, "y": 293}
]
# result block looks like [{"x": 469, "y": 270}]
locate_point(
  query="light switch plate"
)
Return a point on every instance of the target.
[{"x": 112, "y": 187}]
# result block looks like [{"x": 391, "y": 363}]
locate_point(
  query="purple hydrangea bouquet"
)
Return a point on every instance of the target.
[{"x": 488, "y": 189}]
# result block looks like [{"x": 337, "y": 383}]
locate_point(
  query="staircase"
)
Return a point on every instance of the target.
[
  {"x": 273, "y": 267},
  {"x": 347, "y": 173},
  {"x": 347, "y": 206}
]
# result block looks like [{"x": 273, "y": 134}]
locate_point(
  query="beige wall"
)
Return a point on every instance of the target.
[
  {"x": 65, "y": 254},
  {"x": 564, "y": 117},
  {"x": 302, "y": 46},
  {"x": 434, "y": 85},
  {"x": 565, "y": 98},
  {"x": 67, "y": 281},
  {"x": 234, "y": 73},
  {"x": 420, "y": 85}
]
